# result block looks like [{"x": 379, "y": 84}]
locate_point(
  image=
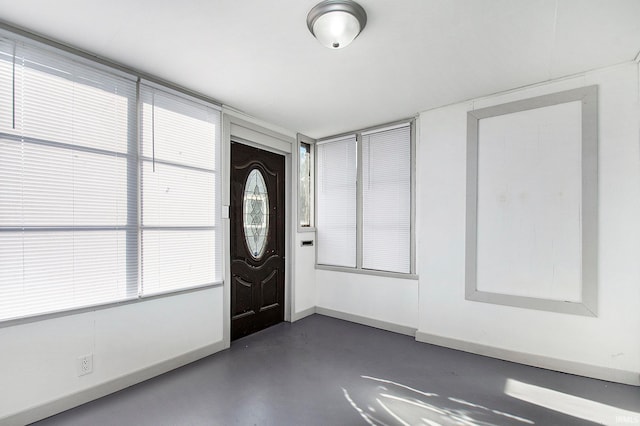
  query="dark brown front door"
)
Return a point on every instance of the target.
[{"x": 257, "y": 239}]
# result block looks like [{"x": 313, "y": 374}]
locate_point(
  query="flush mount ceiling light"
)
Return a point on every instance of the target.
[{"x": 335, "y": 23}]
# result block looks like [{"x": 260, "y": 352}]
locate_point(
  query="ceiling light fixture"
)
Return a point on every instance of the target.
[{"x": 336, "y": 23}]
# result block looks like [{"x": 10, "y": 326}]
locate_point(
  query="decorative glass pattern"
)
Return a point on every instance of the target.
[{"x": 256, "y": 213}]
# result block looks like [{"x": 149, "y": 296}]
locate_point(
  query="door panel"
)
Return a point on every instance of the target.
[{"x": 257, "y": 239}]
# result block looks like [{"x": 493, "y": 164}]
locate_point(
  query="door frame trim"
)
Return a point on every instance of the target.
[{"x": 235, "y": 129}]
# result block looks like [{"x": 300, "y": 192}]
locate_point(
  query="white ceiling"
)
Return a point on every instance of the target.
[{"x": 258, "y": 56}]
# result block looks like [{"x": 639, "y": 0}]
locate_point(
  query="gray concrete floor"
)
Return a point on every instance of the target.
[{"x": 324, "y": 371}]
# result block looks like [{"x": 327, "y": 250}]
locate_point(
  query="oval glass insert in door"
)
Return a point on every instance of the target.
[{"x": 256, "y": 213}]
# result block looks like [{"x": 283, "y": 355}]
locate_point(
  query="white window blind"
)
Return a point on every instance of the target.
[
  {"x": 67, "y": 183},
  {"x": 336, "y": 183},
  {"x": 366, "y": 226},
  {"x": 386, "y": 200},
  {"x": 180, "y": 193},
  {"x": 72, "y": 176}
]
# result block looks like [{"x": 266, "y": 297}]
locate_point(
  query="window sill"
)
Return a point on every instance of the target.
[
  {"x": 91, "y": 308},
  {"x": 305, "y": 229},
  {"x": 367, "y": 272}
]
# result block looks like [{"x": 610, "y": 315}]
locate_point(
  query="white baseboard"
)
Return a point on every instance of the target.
[
  {"x": 383, "y": 325},
  {"x": 303, "y": 314},
  {"x": 75, "y": 399},
  {"x": 564, "y": 366}
]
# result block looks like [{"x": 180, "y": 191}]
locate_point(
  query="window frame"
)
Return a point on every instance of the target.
[
  {"x": 358, "y": 269},
  {"x": 302, "y": 139},
  {"x": 68, "y": 53},
  {"x": 152, "y": 87}
]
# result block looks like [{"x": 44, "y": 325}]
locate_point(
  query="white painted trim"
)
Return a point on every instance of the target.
[
  {"x": 588, "y": 306},
  {"x": 296, "y": 316},
  {"x": 545, "y": 83},
  {"x": 249, "y": 132},
  {"x": 233, "y": 112},
  {"x": 336, "y": 138},
  {"x": 290, "y": 217},
  {"x": 386, "y": 128},
  {"x": 179, "y": 93},
  {"x": 302, "y": 230},
  {"x": 66, "y": 402},
  {"x": 540, "y": 361},
  {"x": 383, "y": 325},
  {"x": 350, "y": 270},
  {"x": 312, "y": 155}
]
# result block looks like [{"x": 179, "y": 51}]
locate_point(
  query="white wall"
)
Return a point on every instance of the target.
[
  {"x": 529, "y": 196},
  {"x": 305, "y": 276},
  {"x": 609, "y": 343},
  {"x": 383, "y": 299},
  {"x": 38, "y": 359}
]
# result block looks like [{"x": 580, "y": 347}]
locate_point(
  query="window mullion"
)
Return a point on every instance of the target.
[
  {"x": 412, "y": 233},
  {"x": 359, "y": 201},
  {"x": 133, "y": 196}
]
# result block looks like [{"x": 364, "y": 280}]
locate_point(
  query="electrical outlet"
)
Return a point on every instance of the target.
[{"x": 85, "y": 364}]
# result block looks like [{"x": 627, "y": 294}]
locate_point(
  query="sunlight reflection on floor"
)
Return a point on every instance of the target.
[
  {"x": 391, "y": 403},
  {"x": 569, "y": 404}
]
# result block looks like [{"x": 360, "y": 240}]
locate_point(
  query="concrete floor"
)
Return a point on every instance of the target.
[{"x": 324, "y": 371}]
